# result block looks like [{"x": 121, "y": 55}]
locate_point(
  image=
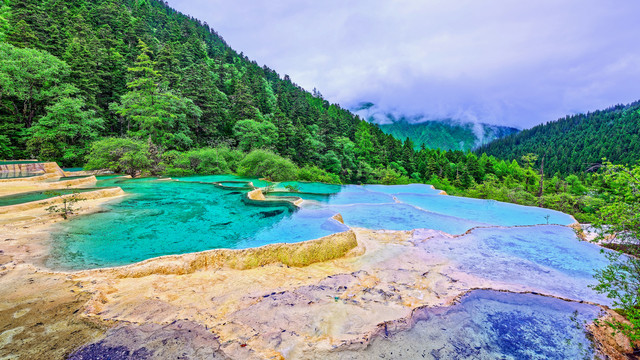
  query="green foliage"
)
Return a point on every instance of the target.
[
  {"x": 315, "y": 174},
  {"x": 575, "y": 143},
  {"x": 5, "y": 14},
  {"x": 263, "y": 163},
  {"x": 155, "y": 113},
  {"x": 252, "y": 134},
  {"x": 122, "y": 156},
  {"x": 6, "y": 151},
  {"x": 30, "y": 80},
  {"x": 620, "y": 280},
  {"x": 392, "y": 175},
  {"x": 445, "y": 135},
  {"x": 292, "y": 188},
  {"x": 64, "y": 133},
  {"x": 200, "y": 161}
]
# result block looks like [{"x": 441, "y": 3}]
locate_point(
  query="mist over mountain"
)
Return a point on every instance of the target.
[{"x": 445, "y": 134}]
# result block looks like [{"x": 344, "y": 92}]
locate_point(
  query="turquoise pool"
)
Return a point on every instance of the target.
[
  {"x": 36, "y": 196},
  {"x": 17, "y": 162},
  {"x": 175, "y": 217},
  {"x": 192, "y": 214}
]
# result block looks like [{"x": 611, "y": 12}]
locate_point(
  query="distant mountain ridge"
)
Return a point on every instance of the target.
[
  {"x": 445, "y": 134},
  {"x": 573, "y": 144}
]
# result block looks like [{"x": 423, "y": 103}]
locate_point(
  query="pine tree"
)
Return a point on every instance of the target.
[{"x": 152, "y": 112}]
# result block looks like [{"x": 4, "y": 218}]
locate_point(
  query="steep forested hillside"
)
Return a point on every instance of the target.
[
  {"x": 75, "y": 71},
  {"x": 444, "y": 134},
  {"x": 447, "y": 134},
  {"x": 575, "y": 143}
]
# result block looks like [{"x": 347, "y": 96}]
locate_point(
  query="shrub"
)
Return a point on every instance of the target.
[
  {"x": 200, "y": 161},
  {"x": 313, "y": 173},
  {"x": 263, "y": 163},
  {"x": 120, "y": 155}
]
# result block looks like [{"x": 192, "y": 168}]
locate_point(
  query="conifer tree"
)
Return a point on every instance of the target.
[{"x": 153, "y": 112}]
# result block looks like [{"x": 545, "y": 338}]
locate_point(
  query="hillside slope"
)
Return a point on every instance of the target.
[
  {"x": 574, "y": 143},
  {"x": 447, "y": 134},
  {"x": 444, "y": 134},
  {"x": 94, "y": 64}
]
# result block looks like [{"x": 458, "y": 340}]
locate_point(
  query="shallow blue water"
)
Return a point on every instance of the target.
[
  {"x": 222, "y": 178},
  {"x": 486, "y": 211},
  {"x": 394, "y": 216},
  {"x": 168, "y": 217},
  {"x": 491, "y": 325},
  {"x": 549, "y": 259}
]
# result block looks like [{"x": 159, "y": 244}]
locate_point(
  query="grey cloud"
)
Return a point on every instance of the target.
[{"x": 498, "y": 61}]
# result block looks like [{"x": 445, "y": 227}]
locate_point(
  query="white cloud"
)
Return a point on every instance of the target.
[{"x": 500, "y": 61}]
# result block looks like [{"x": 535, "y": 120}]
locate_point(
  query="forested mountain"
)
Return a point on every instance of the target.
[
  {"x": 75, "y": 71},
  {"x": 445, "y": 134},
  {"x": 136, "y": 87},
  {"x": 575, "y": 143}
]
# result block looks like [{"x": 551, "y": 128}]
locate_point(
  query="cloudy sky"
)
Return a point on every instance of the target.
[{"x": 506, "y": 62}]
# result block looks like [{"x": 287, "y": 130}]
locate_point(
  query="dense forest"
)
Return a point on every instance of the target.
[
  {"x": 576, "y": 143},
  {"x": 444, "y": 134},
  {"x": 136, "y": 87},
  {"x": 76, "y": 71},
  {"x": 447, "y": 134}
]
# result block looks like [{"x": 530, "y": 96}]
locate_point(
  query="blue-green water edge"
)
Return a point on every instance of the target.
[
  {"x": 191, "y": 214},
  {"x": 170, "y": 217}
]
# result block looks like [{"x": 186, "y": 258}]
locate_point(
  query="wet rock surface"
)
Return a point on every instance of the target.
[{"x": 178, "y": 340}]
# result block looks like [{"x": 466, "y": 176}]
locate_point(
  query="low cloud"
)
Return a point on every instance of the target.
[{"x": 498, "y": 61}]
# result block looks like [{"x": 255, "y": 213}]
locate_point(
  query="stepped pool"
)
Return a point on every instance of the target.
[
  {"x": 191, "y": 214},
  {"x": 176, "y": 217},
  {"x": 490, "y": 325},
  {"x": 473, "y": 243}
]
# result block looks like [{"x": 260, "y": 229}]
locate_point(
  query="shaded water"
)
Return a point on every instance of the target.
[
  {"x": 37, "y": 195},
  {"x": 16, "y": 175},
  {"x": 490, "y": 325}
]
